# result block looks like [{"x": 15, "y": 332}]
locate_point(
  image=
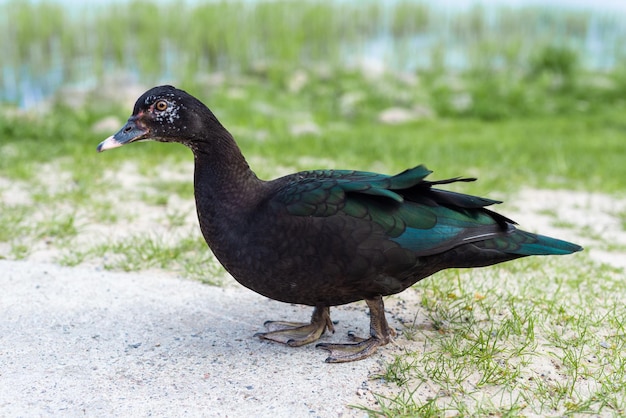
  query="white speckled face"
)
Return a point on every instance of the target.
[
  {"x": 166, "y": 114},
  {"x": 165, "y": 108}
]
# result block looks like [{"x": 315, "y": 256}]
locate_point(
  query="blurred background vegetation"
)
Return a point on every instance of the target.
[
  {"x": 486, "y": 62},
  {"x": 525, "y": 95}
]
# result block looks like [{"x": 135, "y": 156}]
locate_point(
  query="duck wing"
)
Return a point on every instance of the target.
[{"x": 412, "y": 213}]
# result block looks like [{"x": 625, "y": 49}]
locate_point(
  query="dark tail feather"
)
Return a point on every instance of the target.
[
  {"x": 521, "y": 243},
  {"x": 534, "y": 244}
]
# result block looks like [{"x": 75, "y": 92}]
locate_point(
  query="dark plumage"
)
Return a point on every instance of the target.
[{"x": 328, "y": 237}]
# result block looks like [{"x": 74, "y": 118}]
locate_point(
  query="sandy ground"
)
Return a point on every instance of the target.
[
  {"x": 77, "y": 341},
  {"x": 85, "y": 341}
]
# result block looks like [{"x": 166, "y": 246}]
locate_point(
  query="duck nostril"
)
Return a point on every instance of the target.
[{"x": 128, "y": 129}]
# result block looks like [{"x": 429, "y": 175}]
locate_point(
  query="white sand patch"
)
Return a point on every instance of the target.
[
  {"x": 79, "y": 341},
  {"x": 14, "y": 192}
]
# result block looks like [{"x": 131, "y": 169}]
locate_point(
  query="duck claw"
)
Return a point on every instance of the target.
[
  {"x": 296, "y": 334},
  {"x": 361, "y": 348},
  {"x": 273, "y": 326},
  {"x": 293, "y": 336},
  {"x": 342, "y": 353}
]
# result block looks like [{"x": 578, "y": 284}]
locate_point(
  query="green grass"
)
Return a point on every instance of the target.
[
  {"x": 511, "y": 352},
  {"x": 583, "y": 150},
  {"x": 622, "y": 217}
]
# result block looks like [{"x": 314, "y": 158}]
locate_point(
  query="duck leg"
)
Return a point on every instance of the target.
[
  {"x": 380, "y": 334},
  {"x": 295, "y": 334}
]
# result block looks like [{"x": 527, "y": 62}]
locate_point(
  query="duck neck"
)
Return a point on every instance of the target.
[{"x": 225, "y": 187}]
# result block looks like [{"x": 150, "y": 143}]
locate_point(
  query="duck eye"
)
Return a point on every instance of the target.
[{"x": 161, "y": 105}]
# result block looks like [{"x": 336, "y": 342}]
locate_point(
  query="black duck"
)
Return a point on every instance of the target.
[{"x": 326, "y": 237}]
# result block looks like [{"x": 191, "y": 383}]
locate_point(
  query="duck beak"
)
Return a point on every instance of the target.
[{"x": 131, "y": 132}]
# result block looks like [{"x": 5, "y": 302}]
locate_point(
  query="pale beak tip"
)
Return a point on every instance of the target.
[{"x": 108, "y": 144}]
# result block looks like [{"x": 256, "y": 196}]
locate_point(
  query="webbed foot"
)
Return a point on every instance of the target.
[
  {"x": 380, "y": 333},
  {"x": 295, "y": 334}
]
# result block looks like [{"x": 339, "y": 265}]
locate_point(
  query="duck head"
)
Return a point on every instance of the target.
[{"x": 165, "y": 114}]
